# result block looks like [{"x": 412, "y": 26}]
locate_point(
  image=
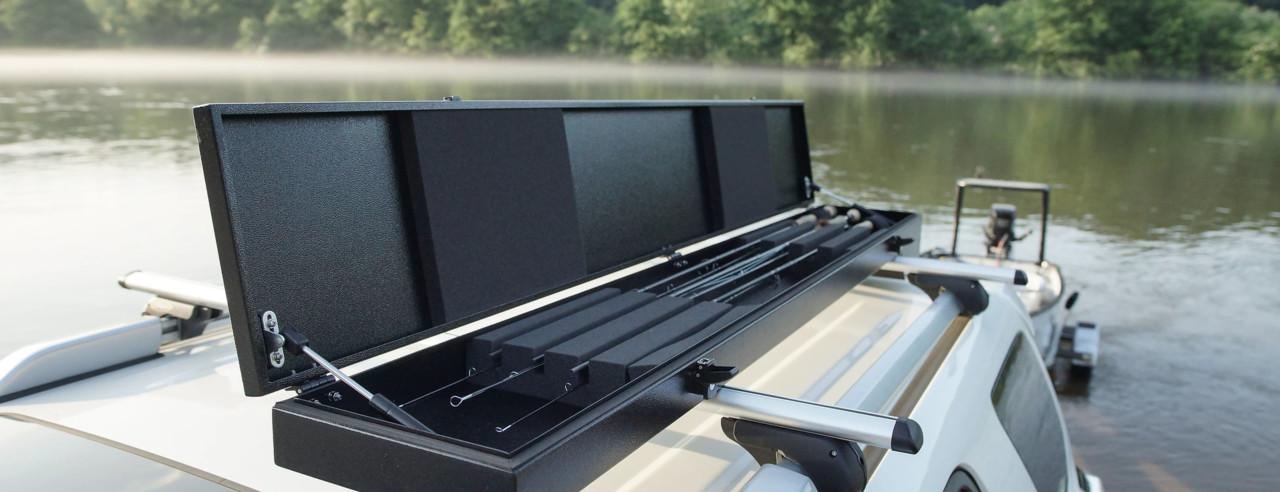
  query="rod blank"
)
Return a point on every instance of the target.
[{"x": 456, "y": 401}]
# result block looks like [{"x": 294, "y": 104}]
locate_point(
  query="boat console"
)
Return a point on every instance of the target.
[{"x": 545, "y": 285}]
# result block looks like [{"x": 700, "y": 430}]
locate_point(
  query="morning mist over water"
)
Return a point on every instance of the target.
[{"x": 1164, "y": 206}]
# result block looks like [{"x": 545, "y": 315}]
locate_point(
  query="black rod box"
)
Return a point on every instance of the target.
[{"x": 648, "y": 233}]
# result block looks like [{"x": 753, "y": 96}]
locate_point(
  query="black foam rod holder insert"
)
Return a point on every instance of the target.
[
  {"x": 519, "y": 352},
  {"x": 609, "y": 368},
  {"x": 664, "y": 354},
  {"x": 563, "y": 358},
  {"x": 481, "y": 348}
]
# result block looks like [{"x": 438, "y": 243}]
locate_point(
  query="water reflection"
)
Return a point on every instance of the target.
[{"x": 1164, "y": 214}]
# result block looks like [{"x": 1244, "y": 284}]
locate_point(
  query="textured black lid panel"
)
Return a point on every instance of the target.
[
  {"x": 289, "y": 183},
  {"x": 494, "y": 204},
  {"x": 315, "y": 214},
  {"x": 638, "y": 180},
  {"x": 788, "y": 146},
  {"x": 743, "y": 175}
]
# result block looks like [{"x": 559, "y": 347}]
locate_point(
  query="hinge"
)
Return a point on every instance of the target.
[
  {"x": 272, "y": 339},
  {"x": 278, "y": 338}
]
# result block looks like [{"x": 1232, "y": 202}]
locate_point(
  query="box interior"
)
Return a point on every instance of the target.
[{"x": 575, "y": 353}]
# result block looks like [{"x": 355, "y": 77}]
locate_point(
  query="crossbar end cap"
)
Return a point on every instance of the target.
[{"x": 908, "y": 437}]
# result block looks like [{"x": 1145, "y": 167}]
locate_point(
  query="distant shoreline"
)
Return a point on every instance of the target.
[{"x": 112, "y": 66}]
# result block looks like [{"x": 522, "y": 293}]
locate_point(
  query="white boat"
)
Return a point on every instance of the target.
[
  {"x": 1074, "y": 343},
  {"x": 924, "y": 376}
]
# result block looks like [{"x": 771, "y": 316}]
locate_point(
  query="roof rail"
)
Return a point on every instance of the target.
[
  {"x": 181, "y": 310},
  {"x": 43, "y": 365}
]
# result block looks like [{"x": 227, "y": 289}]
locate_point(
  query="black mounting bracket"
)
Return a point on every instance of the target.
[
  {"x": 705, "y": 377},
  {"x": 970, "y": 292},
  {"x": 831, "y": 464},
  {"x": 895, "y": 243},
  {"x": 200, "y": 318}
]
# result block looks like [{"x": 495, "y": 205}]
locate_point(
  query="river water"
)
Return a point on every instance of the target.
[{"x": 1165, "y": 211}]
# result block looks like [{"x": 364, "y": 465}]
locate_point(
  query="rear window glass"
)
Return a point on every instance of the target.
[{"x": 1025, "y": 404}]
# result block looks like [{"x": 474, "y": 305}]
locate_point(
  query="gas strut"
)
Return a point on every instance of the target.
[{"x": 276, "y": 336}]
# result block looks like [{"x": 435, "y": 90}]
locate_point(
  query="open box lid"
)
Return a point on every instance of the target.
[{"x": 369, "y": 226}]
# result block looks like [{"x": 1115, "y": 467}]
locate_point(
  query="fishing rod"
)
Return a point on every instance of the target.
[
  {"x": 569, "y": 387},
  {"x": 742, "y": 289},
  {"x": 469, "y": 375},
  {"x": 743, "y": 273},
  {"x": 740, "y": 274},
  {"x": 726, "y": 270},
  {"x": 743, "y": 267},
  {"x": 455, "y": 401},
  {"x": 820, "y": 216},
  {"x": 876, "y": 219},
  {"x": 494, "y": 357},
  {"x": 711, "y": 261}
]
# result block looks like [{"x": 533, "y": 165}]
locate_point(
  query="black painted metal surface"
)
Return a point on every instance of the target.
[{"x": 351, "y": 220}]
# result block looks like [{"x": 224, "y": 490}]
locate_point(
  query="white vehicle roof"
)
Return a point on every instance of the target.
[{"x": 188, "y": 408}]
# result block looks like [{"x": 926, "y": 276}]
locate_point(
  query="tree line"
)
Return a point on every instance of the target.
[{"x": 1200, "y": 39}]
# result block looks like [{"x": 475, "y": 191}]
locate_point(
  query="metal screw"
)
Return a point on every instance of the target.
[
  {"x": 336, "y": 396},
  {"x": 833, "y": 453},
  {"x": 277, "y": 359}
]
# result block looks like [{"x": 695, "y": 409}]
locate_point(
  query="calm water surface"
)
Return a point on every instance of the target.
[{"x": 1165, "y": 215}]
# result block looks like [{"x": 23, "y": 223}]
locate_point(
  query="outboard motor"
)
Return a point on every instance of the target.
[{"x": 1000, "y": 236}]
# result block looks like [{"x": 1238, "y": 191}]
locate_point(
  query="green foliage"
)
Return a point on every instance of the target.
[
  {"x": 301, "y": 25},
  {"x": 594, "y": 34},
  {"x": 1128, "y": 38},
  {"x": 378, "y": 24},
  {"x": 1263, "y": 4},
  {"x": 913, "y": 33},
  {"x": 489, "y": 27},
  {"x": 677, "y": 29},
  {"x": 1220, "y": 39},
  {"x": 1260, "y": 61},
  {"x": 176, "y": 22},
  {"x": 48, "y": 23}
]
